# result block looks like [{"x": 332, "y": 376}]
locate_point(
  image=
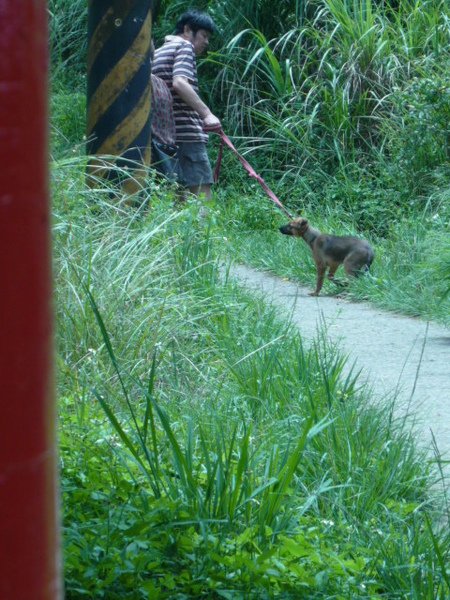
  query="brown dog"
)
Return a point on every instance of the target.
[{"x": 331, "y": 250}]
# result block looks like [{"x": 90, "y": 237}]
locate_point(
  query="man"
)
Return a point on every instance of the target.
[{"x": 175, "y": 63}]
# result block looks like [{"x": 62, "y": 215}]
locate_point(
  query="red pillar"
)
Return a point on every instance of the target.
[{"x": 29, "y": 550}]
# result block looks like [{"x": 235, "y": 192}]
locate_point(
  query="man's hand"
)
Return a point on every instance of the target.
[{"x": 211, "y": 123}]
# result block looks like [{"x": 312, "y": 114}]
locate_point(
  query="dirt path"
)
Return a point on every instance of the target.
[{"x": 395, "y": 353}]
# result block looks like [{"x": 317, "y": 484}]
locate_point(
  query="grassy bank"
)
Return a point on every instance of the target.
[{"x": 205, "y": 451}]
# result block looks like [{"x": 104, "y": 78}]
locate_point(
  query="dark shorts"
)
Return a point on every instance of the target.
[{"x": 194, "y": 167}]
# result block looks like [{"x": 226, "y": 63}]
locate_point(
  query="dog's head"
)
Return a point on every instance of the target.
[{"x": 297, "y": 227}]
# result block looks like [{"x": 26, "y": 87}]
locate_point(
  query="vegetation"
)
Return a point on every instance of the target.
[{"x": 206, "y": 452}]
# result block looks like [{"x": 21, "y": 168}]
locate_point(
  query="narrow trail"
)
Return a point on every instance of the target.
[{"x": 395, "y": 354}]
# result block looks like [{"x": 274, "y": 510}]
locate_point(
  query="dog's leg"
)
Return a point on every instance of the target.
[
  {"x": 321, "y": 268},
  {"x": 355, "y": 265},
  {"x": 359, "y": 260},
  {"x": 332, "y": 271},
  {"x": 350, "y": 269}
]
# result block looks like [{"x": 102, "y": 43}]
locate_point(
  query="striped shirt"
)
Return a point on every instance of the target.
[{"x": 177, "y": 58}]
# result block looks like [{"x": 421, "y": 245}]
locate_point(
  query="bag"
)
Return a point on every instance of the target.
[
  {"x": 164, "y": 148},
  {"x": 164, "y": 159}
]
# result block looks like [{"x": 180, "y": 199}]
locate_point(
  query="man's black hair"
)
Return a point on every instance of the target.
[{"x": 196, "y": 20}]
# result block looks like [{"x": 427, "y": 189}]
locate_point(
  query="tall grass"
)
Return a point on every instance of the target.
[
  {"x": 323, "y": 95},
  {"x": 197, "y": 429},
  {"x": 68, "y": 41}
]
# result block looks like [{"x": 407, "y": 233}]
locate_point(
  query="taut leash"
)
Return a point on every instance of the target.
[{"x": 225, "y": 141}]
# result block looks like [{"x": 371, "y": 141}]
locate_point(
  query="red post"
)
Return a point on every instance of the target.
[{"x": 29, "y": 549}]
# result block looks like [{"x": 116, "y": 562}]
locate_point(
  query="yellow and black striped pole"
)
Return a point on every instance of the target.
[{"x": 119, "y": 90}]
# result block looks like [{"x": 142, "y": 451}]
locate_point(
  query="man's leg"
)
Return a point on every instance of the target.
[{"x": 195, "y": 171}]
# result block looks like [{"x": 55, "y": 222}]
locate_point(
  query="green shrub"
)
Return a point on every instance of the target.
[{"x": 420, "y": 138}]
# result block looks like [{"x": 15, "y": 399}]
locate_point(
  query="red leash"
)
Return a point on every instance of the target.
[{"x": 225, "y": 140}]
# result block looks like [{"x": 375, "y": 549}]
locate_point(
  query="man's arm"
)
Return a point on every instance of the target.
[{"x": 183, "y": 88}]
